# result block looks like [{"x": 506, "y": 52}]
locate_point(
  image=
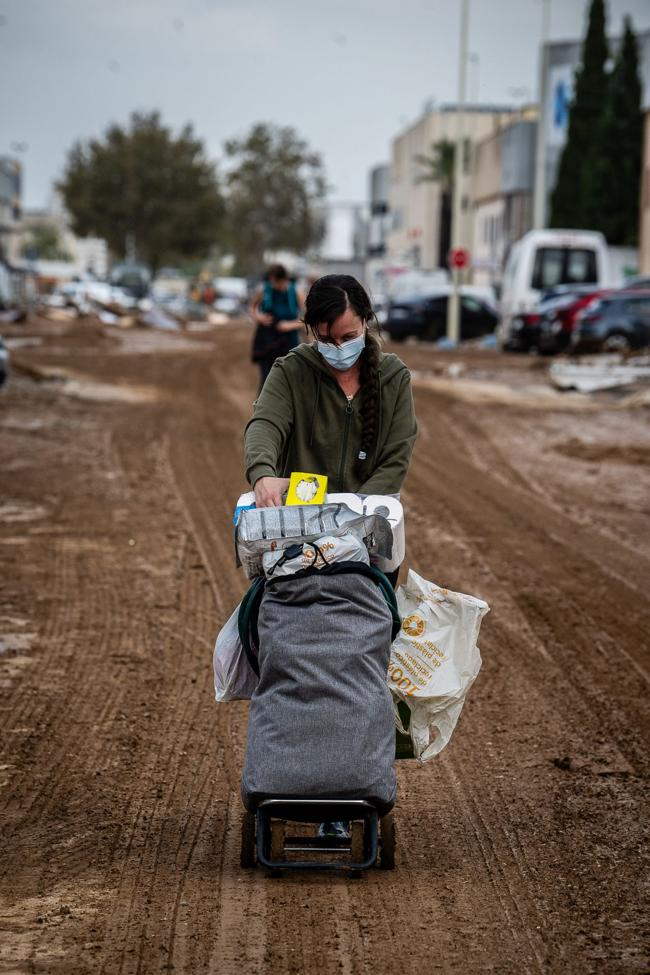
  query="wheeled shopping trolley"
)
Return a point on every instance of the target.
[{"x": 281, "y": 835}]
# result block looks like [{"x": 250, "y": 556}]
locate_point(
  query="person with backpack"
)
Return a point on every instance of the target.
[{"x": 275, "y": 309}]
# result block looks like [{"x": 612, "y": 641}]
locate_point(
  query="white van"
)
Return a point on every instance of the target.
[{"x": 544, "y": 259}]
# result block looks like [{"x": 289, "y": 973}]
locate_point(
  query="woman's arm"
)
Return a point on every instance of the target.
[
  {"x": 259, "y": 317},
  {"x": 286, "y": 326},
  {"x": 395, "y": 455},
  {"x": 266, "y": 437}
]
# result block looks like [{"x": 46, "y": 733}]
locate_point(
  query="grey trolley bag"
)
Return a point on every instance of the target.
[{"x": 321, "y": 734}]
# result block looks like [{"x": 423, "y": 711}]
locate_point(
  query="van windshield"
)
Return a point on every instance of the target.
[{"x": 564, "y": 265}]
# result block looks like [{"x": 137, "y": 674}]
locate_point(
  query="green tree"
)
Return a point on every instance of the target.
[
  {"x": 42, "y": 241},
  {"x": 275, "y": 184},
  {"x": 142, "y": 184},
  {"x": 569, "y": 200},
  {"x": 439, "y": 168},
  {"x": 614, "y": 178}
]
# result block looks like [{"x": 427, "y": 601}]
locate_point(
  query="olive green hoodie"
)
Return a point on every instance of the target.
[{"x": 302, "y": 421}]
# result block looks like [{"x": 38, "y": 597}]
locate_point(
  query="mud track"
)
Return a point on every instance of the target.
[{"x": 521, "y": 850}]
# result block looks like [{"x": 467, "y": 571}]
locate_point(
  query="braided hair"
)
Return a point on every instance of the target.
[{"x": 328, "y": 299}]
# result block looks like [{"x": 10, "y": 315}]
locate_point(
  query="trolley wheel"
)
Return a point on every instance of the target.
[
  {"x": 277, "y": 839},
  {"x": 356, "y": 842},
  {"x": 247, "y": 852},
  {"x": 387, "y": 848}
]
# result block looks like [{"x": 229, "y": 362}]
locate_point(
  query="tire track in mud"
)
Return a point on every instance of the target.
[
  {"x": 545, "y": 686},
  {"x": 599, "y": 541},
  {"x": 501, "y": 521}
]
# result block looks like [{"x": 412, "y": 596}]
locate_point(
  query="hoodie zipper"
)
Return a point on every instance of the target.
[{"x": 348, "y": 414}]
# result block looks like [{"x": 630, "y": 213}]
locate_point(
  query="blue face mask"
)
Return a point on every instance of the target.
[{"x": 342, "y": 356}]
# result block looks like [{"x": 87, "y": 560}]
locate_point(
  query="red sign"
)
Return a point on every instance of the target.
[{"x": 459, "y": 258}]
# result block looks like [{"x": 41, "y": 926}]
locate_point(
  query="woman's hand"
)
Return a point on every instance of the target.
[
  {"x": 263, "y": 318},
  {"x": 289, "y": 326},
  {"x": 269, "y": 491}
]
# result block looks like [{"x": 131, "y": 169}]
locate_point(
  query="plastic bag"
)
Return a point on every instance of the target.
[
  {"x": 233, "y": 677},
  {"x": 323, "y": 551},
  {"x": 434, "y": 660},
  {"x": 261, "y": 530}
]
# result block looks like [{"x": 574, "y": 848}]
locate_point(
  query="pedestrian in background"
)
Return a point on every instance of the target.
[{"x": 276, "y": 309}]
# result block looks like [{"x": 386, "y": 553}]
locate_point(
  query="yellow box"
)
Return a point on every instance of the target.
[{"x": 306, "y": 488}]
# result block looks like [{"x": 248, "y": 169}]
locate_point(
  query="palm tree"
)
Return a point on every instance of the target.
[{"x": 439, "y": 168}]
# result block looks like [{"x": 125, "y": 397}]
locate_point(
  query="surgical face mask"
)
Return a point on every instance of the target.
[{"x": 342, "y": 356}]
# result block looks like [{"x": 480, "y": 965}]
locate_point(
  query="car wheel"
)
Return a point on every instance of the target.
[{"x": 617, "y": 342}]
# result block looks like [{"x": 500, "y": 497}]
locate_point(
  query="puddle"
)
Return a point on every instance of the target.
[
  {"x": 23, "y": 342},
  {"x": 485, "y": 391},
  {"x": 532, "y": 395},
  {"x": 97, "y": 392},
  {"x": 16, "y": 643},
  {"x": 84, "y": 387},
  {"x": 21, "y": 511},
  {"x": 597, "y": 453},
  {"x": 27, "y": 424}
]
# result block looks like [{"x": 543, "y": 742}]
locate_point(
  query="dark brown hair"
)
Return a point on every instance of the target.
[
  {"x": 277, "y": 272},
  {"x": 328, "y": 299}
]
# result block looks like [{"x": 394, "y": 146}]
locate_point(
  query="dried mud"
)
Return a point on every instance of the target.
[{"x": 521, "y": 849}]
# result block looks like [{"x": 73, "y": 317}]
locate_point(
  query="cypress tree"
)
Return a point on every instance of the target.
[
  {"x": 568, "y": 200},
  {"x": 613, "y": 183}
]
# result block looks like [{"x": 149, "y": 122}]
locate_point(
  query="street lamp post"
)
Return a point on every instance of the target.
[
  {"x": 453, "y": 305},
  {"x": 539, "y": 200}
]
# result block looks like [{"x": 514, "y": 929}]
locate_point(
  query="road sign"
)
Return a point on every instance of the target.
[{"x": 458, "y": 258}]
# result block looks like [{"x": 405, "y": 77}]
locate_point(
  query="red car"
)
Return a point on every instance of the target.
[{"x": 557, "y": 318}]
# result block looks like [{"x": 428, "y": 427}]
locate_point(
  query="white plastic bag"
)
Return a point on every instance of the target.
[
  {"x": 233, "y": 677},
  {"x": 324, "y": 551},
  {"x": 434, "y": 660}
]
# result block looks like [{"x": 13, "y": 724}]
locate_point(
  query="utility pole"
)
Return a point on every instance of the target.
[
  {"x": 539, "y": 202},
  {"x": 453, "y": 305}
]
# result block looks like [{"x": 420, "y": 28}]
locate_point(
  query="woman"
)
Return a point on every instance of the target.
[
  {"x": 339, "y": 406},
  {"x": 275, "y": 309}
]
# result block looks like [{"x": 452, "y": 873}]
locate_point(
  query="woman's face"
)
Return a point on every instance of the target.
[{"x": 348, "y": 326}]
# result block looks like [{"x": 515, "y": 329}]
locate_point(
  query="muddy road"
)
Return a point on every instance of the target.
[{"x": 520, "y": 850}]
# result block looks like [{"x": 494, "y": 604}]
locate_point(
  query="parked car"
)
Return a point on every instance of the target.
[
  {"x": 135, "y": 279},
  {"x": 546, "y": 259},
  {"x": 425, "y": 317},
  {"x": 4, "y": 363},
  {"x": 548, "y": 329},
  {"x": 617, "y": 322}
]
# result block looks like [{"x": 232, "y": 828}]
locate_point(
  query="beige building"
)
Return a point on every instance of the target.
[
  {"x": 644, "y": 241},
  {"x": 503, "y": 176},
  {"x": 89, "y": 255},
  {"x": 415, "y": 205}
]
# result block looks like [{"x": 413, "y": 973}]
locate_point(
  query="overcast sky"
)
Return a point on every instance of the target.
[{"x": 348, "y": 74}]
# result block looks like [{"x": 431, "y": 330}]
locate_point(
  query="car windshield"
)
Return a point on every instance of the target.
[{"x": 563, "y": 265}]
